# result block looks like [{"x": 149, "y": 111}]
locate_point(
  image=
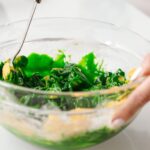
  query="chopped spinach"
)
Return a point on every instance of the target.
[
  {"x": 1, "y": 67},
  {"x": 42, "y": 72}
]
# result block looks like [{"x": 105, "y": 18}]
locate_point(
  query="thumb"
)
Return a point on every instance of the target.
[{"x": 134, "y": 102}]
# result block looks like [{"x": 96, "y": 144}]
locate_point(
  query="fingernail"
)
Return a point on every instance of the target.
[
  {"x": 118, "y": 123},
  {"x": 136, "y": 74}
]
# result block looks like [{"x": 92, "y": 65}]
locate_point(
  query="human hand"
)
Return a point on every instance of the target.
[{"x": 137, "y": 99}]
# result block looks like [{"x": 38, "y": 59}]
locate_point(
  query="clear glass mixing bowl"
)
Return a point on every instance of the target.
[{"x": 89, "y": 121}]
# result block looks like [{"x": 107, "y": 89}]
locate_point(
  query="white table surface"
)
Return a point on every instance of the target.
[{"x": 136, "y": 136}]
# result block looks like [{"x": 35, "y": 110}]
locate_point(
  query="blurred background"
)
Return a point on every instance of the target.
[
  {"x": 143, "y": 5},
  {"x": 113, "y": 11},
  {"x": 119, "y": 12},
  {"x": 105, "y": 10}
]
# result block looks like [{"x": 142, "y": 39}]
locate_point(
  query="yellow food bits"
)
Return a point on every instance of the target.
[
  {"x": 131, "y": 72},
  {"x": 58, "y": 126},
  {"x": 6, "y": 70}
]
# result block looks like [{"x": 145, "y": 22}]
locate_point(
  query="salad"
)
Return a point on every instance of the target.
[
  {"x": 42, "y": 72},
  {"x": 81, "y": 123}
]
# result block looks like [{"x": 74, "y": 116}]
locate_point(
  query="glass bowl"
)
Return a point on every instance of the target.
[{"x": 89, "y": 119}]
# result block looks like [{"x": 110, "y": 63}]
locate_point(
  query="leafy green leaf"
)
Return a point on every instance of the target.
[
  {"x": 38, "y": 64},
  {"x": 88, "y": 66},
  {"x": 20, "y": 61},
  {"x": 59, "y": 62},
  {"x": 1, "y": 68}
]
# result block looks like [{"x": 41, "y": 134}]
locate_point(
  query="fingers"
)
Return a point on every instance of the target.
[
  {"x": 134, "y": 102},
  {"x": 137, "y": 99},
  {"x": 146, "y": 66}
]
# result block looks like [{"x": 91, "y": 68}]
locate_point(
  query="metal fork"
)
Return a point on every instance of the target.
[{"x": 36, "y": 2}]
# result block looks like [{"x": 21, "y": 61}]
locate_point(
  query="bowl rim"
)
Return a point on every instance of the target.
[
  {"x": 117, "y": 26},
  {"x": 87, "y": 111},
  {"x": 75, "y": 93}
]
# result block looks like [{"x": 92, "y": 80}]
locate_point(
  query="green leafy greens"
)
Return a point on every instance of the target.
[{"x": 42, "y": 72}]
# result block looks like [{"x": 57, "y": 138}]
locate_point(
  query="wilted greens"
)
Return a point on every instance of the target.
[
  {"x": 46, "y": 73},
  {"x": 43, "y": 72}
]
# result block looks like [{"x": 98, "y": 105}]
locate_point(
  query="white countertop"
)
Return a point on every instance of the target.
[{"x": 137, "y": 135}]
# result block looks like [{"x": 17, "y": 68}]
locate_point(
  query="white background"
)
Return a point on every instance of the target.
[
  {"x": 144, "y": 5},
  {"x": 137, "y": 135}
]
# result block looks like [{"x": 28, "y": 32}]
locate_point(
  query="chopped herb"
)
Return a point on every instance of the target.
[{"x": 42, "y": 72}]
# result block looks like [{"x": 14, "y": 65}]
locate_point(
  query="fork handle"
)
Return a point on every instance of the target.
[{"x": 38, "y": 1}]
